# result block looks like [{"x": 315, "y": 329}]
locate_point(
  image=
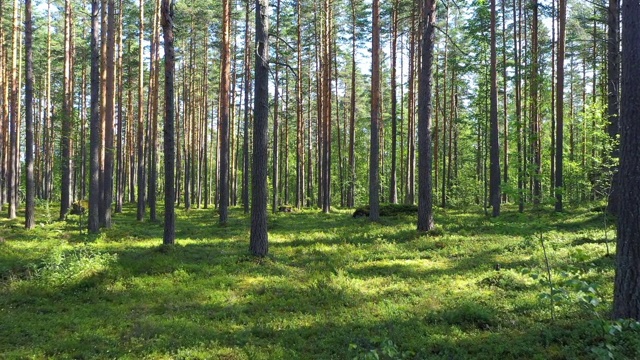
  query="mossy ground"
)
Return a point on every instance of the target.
[{"x": 333, "y": 287}]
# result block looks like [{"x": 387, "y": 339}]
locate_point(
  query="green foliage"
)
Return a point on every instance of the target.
[{"x": 334, "y": 287}]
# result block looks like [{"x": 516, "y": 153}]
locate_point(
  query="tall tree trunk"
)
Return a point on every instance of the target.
[
  {"x": 247, "y": 91},
  {"x": 4, "y": 125},
  {"x": 393, "y": 187},
  {"x": 300, "y": 190},
  {"x": 259, "y": 241},
  {"x": 276, "y": 113},
  {"x": 518, "y": 97},
  {"x": 94, "y": 144},
  {"x": 154, "y": 74},
  {"x": 121, "y": 170},
  {"x": 411, "y": 129},
  {"x": 425, "y": 195},
  {"x": 494, "y": 182},
  {"x": 505, "y": 110},
  {"x": 67, "y": 114},
  {"x": 535, "y": 118},
  {"x": 613, "y": 102},
  {"x": 13, "y": 128},
  {"x": 626, "y": 302},
  {"x": 326, "y": 108},
  {"x": 28, "y": 43},
  {"x": 169, "y": 234},
  {"x": 224, "y": 111},
  {"x": 352, "y": 113},
  {"x": 374, "y": 159},
  {"x": 109, "y": 115},
  {"x": 141, "y": 210},
  {"x": 562, "y": 19}
]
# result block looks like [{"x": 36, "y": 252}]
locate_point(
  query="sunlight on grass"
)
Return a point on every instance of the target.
[{"x": 332, "y": 287}]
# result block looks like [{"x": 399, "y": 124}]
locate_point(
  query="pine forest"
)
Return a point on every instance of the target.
[{"x": 357, "y": 179}]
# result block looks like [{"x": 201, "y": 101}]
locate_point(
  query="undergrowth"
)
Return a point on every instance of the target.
[{"x": 333, "y": 287}]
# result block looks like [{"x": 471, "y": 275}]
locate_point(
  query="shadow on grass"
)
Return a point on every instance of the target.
[{"x": 206, "y": 298}]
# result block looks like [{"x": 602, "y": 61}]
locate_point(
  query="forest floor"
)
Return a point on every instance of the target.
[{"x": 333, "y": 287}]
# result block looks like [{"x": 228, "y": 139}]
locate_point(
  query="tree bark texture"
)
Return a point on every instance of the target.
[
  {"x": 425, "y": 183},
  {"x": 169, "y": 234},
  {"x": 259, "y": 245},
  {"x": 626, "y": 299}
]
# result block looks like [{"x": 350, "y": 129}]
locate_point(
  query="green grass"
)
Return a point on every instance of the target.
[{"x": 333, "y": 287}]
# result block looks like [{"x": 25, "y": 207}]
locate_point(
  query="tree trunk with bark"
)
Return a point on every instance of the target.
[
  {"x": 562, "y": 19},
  {"x": 425, "y": 195},
  {"x": 169, "y": 234},
  {"x": 224, "y": 112},
  {"x": 28, "y": 43},
  {"x": 494, "y": 181},
  {"x": 626, "y": 295},
  {"x": 94, "y": 143},
  {"x": 374, "y": 158},
  {"x": 259, "y": 241}
]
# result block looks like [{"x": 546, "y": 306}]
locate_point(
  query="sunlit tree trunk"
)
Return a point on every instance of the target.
[
  {"x": 494, "y": 182},
  {"x": 353, "y": 109},
  {"x": 613, "y": 102},
  {"x": 247, "y": 91},
  {"x": 94, "y": 144},
  {"x": 562, "y": 19},
  {"x": 154, "y": 79},
  {"x": 30, "y": 186},
  {"x": 169, "y": 139},
  {"x": 67, "y": 114},
  {"x": 374, "y": 158},
  {"x": 425, "y": 196},
  {"x": 4, "y": 118},
  {"x": 275, "y": 179},
  {"x": 109, "y": 117},
  {"x": 224, "y": 112},
  {"x": 141, "y": 209},
  {"x": 300, "y": 189},
  {"x": 259, "y": 245},
  {"x": 393, "y": 186}
]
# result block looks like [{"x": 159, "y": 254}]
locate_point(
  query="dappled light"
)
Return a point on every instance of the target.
[{"x": 329, "y": 288}]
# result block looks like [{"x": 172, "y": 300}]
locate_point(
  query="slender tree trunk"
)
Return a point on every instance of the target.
[
  {"x": 154, "y": 74},
  {"x": 224, "y": 111},
  {"x": 518, "y": 97},
  {"x": 13, "y": 119},
  {"x": 247, "y": 91},
  {"x": 275, "y": 179},
  {"x": 425, "y": 195},
  {"x": 169, "y": 139},
  {"x": 411, "y": 132},
  {"x": 300, "y": 190},
  {"x": 393, "y": 191},
  {"x": 4, "y": 125},
  {"x": 352, "y": 113},
  {"x": 535, "y": 119},
  {"x": 374, "y": 159},
  {"x": 505, "y": 110},
  {"x": 67, "y": 113},
  {"x": 94, "y": 144},
  {"x": 326, "y": 108},
  {"x": 259, "y": 245},
  {"x": 28, "y": 43},
  {"x": 494, "y": 182},
  {"x": 562, "y": 19},
  {"x": 109, "y": 115},
  {"x": 140, "y": 135},
  {"x": 613, "y": 102},
  {"x": 121, "y": 170}
]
